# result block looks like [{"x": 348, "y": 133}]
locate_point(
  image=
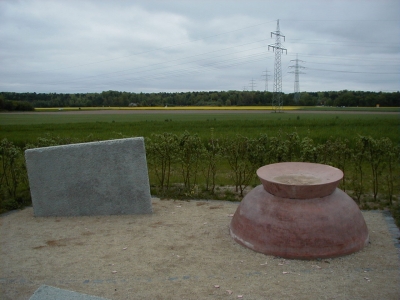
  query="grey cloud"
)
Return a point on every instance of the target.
[{"x": 91, "y": 46}]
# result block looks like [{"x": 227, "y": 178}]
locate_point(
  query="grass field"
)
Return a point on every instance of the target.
[
  {"x": 237, "y": 108},
  {"x": 80, "y": 126},
  {"x": 286, "y": 108},
  {"x": 26, "y": 128}
]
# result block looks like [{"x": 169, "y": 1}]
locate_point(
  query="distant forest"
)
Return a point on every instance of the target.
[{"x": 28, "y": 101}]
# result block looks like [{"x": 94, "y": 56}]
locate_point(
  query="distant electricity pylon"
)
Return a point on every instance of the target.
[
  {"x": 252, "y": 84},
  {"x": 296, "y": 78},
  {"x": 266, "y": 79},
  {"x": 277, "y": 96}
]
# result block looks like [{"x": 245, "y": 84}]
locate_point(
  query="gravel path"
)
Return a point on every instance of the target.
[{"x": 182, "y": 251}]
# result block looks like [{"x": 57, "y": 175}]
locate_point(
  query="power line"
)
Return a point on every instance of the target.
[
  {"x": 212, "y": 65},
  {"x": 157, "y": 73},
  {"x": 347, "y": 58},
  {"x": 136, "y": 69},
  {"x": 180, "y": 59},
  {"x": 354, "y": 72},
  {"x": 348, "y": 20},
  {"x": 153, "y": 50}
]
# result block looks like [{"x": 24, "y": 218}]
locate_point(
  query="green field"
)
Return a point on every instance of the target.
[
  {"x": 354, "y": 142},
  {"x": 26, "y": 128}
]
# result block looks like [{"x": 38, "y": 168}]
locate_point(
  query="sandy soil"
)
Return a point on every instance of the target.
[{"x": 182, "y": 251}]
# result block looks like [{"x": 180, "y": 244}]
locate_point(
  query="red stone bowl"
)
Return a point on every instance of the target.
[
  {"x": 299, "y": 180},
  {"x": 300, "y": 229}
]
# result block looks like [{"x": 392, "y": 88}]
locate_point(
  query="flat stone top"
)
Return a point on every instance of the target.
[
  {"x": 299, "y": 173},
  {"x": 86, "y": 145},
  {"x": 299, "y": 180}
]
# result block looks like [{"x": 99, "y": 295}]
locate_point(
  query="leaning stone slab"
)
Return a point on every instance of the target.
[
  {"x": 46, "y": 292},
  {"x": 97, "y": 178}
]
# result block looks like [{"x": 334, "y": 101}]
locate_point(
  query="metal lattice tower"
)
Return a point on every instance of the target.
[
  {"x": 266, "y": 80},
  {"x": 296, "y": 78},
  {"x": 277, "y": 101},
  {"x": 252, "y": 84}
]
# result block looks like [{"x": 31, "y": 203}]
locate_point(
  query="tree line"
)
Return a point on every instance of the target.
[
  {"x": 27, "y": 101},
  {"x": 15, "y": 105}
]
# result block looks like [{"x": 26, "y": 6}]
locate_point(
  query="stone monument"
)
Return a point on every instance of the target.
[
  {"x": 96, "y": 178},
  {"x": 298, "y": 212}
]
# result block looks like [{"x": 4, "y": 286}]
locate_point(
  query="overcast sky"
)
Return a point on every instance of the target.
[{"x": 84, "y": 46}]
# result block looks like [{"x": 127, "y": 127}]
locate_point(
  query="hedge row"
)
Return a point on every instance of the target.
[{"x": 185, "y": 166}]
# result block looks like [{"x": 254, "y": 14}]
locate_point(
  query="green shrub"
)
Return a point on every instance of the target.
[
  {"x": 186, "y": 166},
  {"x": 14, "y": 189}
]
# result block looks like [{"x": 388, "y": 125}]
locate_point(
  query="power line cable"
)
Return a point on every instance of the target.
[
  {"x": 178, "y": 59},
  {"x": 354, "y": 72},
  {"x": 154, "y": 50}
]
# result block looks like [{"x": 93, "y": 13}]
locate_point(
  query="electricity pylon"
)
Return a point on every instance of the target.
[
  {"x": 266, "y": 79},
  {"x": 277, "y": 101},
  {"x": 252, "y": 84},
  {"x": 296, "y": 78}
]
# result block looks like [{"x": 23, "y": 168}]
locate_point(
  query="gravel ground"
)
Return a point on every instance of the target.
[{"x": 182, "y": 251}]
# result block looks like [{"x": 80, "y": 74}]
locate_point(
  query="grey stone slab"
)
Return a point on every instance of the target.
[
  {"x": 97, "y": 178},
  {"x": 46, "y": 292}
]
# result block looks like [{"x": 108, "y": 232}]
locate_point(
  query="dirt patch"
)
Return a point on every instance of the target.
[{"x": 182, "y": 251}]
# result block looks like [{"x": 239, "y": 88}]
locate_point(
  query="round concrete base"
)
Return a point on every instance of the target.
[{"x": 323, "y": 227}]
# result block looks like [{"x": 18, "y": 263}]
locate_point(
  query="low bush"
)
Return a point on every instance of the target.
[{"x": 187, "y": 167}]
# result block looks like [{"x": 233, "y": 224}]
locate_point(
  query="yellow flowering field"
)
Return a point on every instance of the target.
[{"x": 171, "y": 108}]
